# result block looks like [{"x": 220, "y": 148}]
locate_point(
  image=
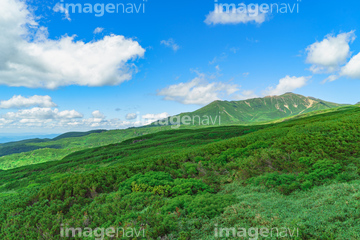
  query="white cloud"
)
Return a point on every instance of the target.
[
  {"x": 352, "y": 68},
  {"x": 5, "y": 122},
  {"x": 149, "y": 118},
  {"x": 330, "y": 53},
  {"x": 98, "y": 114},
  {"x": 40, "y": 119},
  {"x": 246, "y": 94},
  {"x": 42, "y": 114},
  {"x": 198, "y": 91},
  {"x": 170, "y": 43},
  {"x": 19, "y": 101},
  {"x": 98, "y": 30},
  {"x": 59, "y": 8},
  {"x": 131, "y": 116},
  {"x": 287, "y": 84},
  {"x": 30, "y": 59},
  {"x": 331, "y": 78},
  {"x": 222, "y": 16}
]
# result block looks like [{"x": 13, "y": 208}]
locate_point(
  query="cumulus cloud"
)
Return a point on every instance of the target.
[
  {"x": 98, "y": 114},
  {"x": 287, "y": 84},
  {"x": 198, "y": 91},
  {"x": 352, "y": 68},
  {"x": 19, "y": 101},
  {"x": 170, "y": 43},
  {"x": 30, "y": 59},
  {"x": 42, "y": 114},
  {"x": 131, "y": 116},
  {"x": 330, "y": 53},
  {"x": 234, "y": 16},
  {"x": 37, "y": 119}
]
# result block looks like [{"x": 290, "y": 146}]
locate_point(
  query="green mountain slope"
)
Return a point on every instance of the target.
[
  {"x": 27, "y": 152},
  {"x": 32, "y": 144},
  {"x": 181, "y": 184},
  {"x": 259, "y": 109}
]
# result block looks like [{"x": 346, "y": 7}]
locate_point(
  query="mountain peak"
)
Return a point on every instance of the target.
[{"x": 264, "y": 109}]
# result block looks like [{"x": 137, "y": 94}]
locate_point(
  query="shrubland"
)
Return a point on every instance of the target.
[{"x": 179, "y": 184}]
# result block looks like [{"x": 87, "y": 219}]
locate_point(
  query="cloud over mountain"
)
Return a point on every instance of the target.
[{"x": 197, "y": 91}]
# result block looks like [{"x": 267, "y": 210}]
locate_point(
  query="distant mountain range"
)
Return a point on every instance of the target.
[
  {"x": 27, "y": 145},
  {"x": 13, "y": 138},
  {"x": 259, "y": 110}
]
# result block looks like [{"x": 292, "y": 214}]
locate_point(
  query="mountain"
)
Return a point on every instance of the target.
[
  {"x": 77, "y": 134},
  {"x": 15, "y": 138},
  {"x": 250, "y": 111},
  {"x": 259, "y": 110},
  {"x": 31, "y": 144},
  {"x": 32, "y": 151}
]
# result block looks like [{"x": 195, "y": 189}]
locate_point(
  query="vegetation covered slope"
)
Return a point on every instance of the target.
[
  {"x": 43, "y": 150},
  {"x": 32, "y": 144},
  {"x": 261, "y": 109},
  {"x": 178, "y": 184},
  {"x": 265, "y": 110}
]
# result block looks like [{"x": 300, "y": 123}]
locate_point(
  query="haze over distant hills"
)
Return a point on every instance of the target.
[
  {"x": 11, "y": 147},
  {"x": 12, "y": 137}
]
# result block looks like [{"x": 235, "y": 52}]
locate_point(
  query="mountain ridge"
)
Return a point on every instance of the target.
[{"x": 258, "y": 110}]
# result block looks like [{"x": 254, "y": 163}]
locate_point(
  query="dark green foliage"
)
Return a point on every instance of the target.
[
  {"x": 33, "y": 151},
  {"x": 300, "y": 173}
]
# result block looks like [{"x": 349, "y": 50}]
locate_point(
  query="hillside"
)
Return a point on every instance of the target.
[
  {"x": 31, "y": 144},
  {"x": 32, "y": 151},
  {"x": 181, "y": 184},
  {"x": 260, "y": 109}
]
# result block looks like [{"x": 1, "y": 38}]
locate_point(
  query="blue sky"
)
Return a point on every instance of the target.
[{"x": 58, "y": 74}]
